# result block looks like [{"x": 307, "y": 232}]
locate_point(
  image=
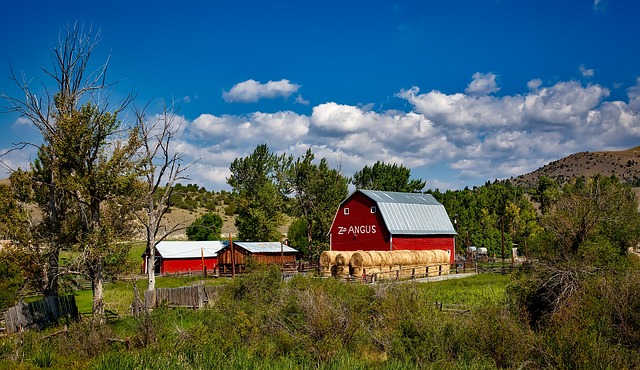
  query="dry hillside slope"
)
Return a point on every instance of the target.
[{"x": 624, "y": 164}]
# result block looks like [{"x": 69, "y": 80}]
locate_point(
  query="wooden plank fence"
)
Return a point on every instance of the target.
[
  {"x": 41, "y": 313},
  {"x": 189, "y": 296}
]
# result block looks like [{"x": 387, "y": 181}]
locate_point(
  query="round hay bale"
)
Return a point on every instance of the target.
[
  {"x": 361, "y": 259},
  {"x": 376, "y": 258},
  {"x": 441, "y": 256},
  {"x": 429, "y": 257},
  {"x": 342, "y": 271},
  {"x": 387, "y": 259},
  {"x": 403, "y": 258},
  {"x": 396, "y": 257},
  {"x": 415, "y": 257},
  {"x": 357, "y": 259},
  {"x": 356, "y": 271},
  {"x": 343, "y": 258},
  {"x": 328, "y": 258}
]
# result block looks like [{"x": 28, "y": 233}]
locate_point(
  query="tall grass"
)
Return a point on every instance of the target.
[{"x": 261, "y": 322}]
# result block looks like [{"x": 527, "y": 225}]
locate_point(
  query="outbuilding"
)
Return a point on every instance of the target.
[
  {"x": 240, "y": 253},
  {"x": 371, "y": 220},
  {"x": 186, "y": 256}
]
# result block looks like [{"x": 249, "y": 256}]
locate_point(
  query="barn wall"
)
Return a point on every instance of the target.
[
  {"x": 360, "y": 229},
  {"x": 241, "y": 256},
  {"x": 407, "y": 242},
  {"x": 187, "y": 264},
  {"x": 226, "y": 257}
]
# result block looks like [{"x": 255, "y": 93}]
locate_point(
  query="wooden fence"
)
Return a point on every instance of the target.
[
  {"x": 40, "y": 313},
  {"x": 190, "y": 296}
]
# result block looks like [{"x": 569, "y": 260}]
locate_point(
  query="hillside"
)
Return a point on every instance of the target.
[{"x": 624, "y": 164}]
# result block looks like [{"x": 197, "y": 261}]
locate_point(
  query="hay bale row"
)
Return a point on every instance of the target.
[{"x": 400, "y": 258}]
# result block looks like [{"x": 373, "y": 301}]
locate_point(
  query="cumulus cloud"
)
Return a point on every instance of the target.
[
  {"x": 251, "y": 91},
  {"x": 482, "y": 84},
  {"x": 474, "y": 135}
]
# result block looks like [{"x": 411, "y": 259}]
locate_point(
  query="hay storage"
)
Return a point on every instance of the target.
[{"x": 343, "y": 258}]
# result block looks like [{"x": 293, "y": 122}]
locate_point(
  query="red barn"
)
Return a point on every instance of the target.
[
  {"x": 371, "y": 220},
  {"x": 186, "y": 256}
]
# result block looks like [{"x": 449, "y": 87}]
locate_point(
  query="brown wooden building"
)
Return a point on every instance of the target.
[{"x": 240, "y": 253}]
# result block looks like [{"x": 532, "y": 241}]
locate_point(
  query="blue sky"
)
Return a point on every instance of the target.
[{"x": 459, "y": 91}]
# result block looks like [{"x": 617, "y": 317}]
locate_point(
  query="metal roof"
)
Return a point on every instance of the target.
[
  {"x": 265, "y": 247},
  {"x": 411, "y": 213},
  {"x": 190, "y": 249}
]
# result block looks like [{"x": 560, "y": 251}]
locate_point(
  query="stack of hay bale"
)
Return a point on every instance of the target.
[{"x": 405, "y": 262}]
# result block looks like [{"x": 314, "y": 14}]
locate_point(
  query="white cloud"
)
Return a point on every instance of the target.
[
  {"x": 482, "y": 84},
  {"x": 251, "y": 91},
  {"x": 475, "y": 137},
  {"x": 586, "y": 72},
  {"x": 300, "y": 100}
]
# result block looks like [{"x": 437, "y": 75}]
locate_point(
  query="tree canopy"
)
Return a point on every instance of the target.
[
  {"x": 206, "y": 227},
  {"x": 387, "y": 177}
]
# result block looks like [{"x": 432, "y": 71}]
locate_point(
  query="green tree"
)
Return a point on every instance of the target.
[
  {"x": 590, "y": 208},
  {"x": 84, "y": 171},
  {"x": 545, "y": 193},
  {"x": 259, "y": 200},
  {"x": 207, "y": 227},
  {"x": 11, "y": 277},
  {"x": 318, "y": 191},
  {"x": 387, "y": 177}
]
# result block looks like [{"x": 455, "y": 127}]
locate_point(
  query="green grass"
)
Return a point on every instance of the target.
[
  {"x": 476, "y": 290},
  {"x": 118, "y": 295}
]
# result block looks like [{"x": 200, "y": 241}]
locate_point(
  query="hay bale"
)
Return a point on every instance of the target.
[
  {"x": 404, "y": 258},
  {"x": 328, "y": 258},
  {"x": 396, "y": 258},
  {"x": 361, "y": 259},
  {"x": 342, "y": 271},
  {"x": 371, "y": 270},
  {"x": 343, "y": 258},
  {"x": 387, "y": 259},
  {"x": 356, "y": 271},
  {"x": 429, "y": 257},
  {"x": 415, "y": 258},
  {"x": 441, "y": 256},
  {"x": 376, "y": 258}
]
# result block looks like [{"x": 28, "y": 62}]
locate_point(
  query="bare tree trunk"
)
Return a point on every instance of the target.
[
  {"x": 51, "y": 288},
  {"x": 97, "y": 287},
  {"x": 151, "y": 253}
]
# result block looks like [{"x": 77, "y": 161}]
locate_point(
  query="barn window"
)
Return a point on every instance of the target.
[
  {"x": 373, "y": 209},
  {"x": 346, "y": 211}
]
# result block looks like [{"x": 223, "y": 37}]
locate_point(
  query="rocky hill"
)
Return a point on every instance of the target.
[{"x": 624, "y": 164}]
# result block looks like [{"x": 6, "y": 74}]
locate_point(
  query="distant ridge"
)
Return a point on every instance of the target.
[{"x": 624, "y": 164}]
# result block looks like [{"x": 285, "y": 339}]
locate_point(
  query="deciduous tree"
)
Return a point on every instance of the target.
[
  {"x": 161, "y": 167},
  {"x": 387, "y": 177}
]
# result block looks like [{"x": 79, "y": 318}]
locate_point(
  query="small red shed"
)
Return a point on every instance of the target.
[
  {"x": 371, "y": 220},
  {"x": 186, "y": 256}
]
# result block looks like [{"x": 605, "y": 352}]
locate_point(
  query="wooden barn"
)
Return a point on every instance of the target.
[
  {"x": 185, "y": 256},
  {"x": 370, "y": 220},
  {"x": 239, "y": 254}
]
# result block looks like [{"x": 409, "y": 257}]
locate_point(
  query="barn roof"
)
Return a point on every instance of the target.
[
  {"x": 411, "y": 213},
  {"x": 265, "y": 247},
  {"x": 189, "y": 249}
]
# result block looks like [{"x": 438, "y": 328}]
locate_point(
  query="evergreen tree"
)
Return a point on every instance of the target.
[
  {"x": 318, "y": 191},
  {"x": 258, "y": 199}
]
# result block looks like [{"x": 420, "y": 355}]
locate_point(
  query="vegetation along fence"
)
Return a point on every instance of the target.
[
  {"x": 190, "y": 296},
  {"x": 40, "y": 313}
]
